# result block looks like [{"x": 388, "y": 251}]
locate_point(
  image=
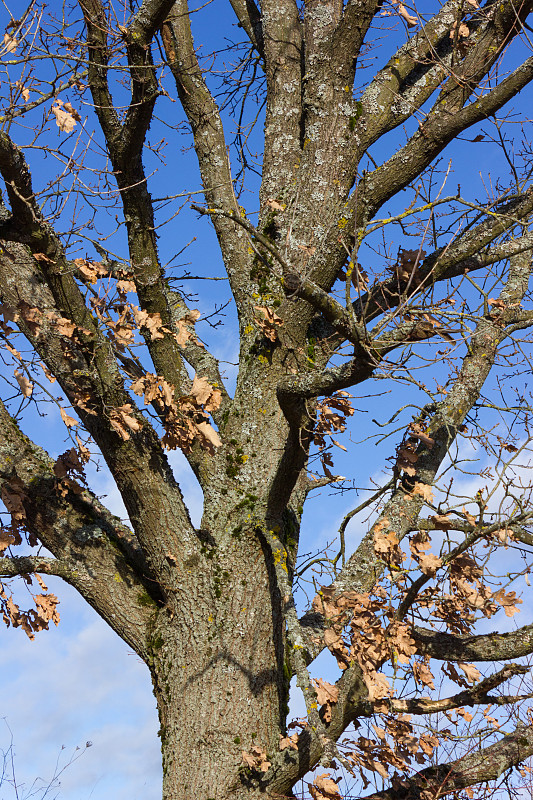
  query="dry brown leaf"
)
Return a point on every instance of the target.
[
  {"x": 469, "y": 517},
  {"x": 408, "y": 260},
  {"x": 83, "y": 451},
  {"x": 124, "y": 286},
  {"x": 201, "y": 390},
  {"x": 47, "y": 373},
  {"x": 185, "y": 327},
  {"x": 210, "y": 433},
  {"x": 275, "y": 205},
  {"x": 13, "y": 352},
  {"x": 23, "y": 90},
  {"x": 417, "y": 431},
  {"x": 91, "y": 270},
  {"x": 424, "y": 491},
  {"x": 288, "y": 741},
  {"x": 428, "y": 742},
  {"x": 429, "y": 563},
  {"x": 411, "y": 19},
  {"x": 256, "y": 759},
  {"x": 462, "y": 33},
  {"x": 402, "y": 641},
  {"x": 385, "y": 543},
  {"x": 442, "y": 522},
  {"x": 152, "y": 322},
  {"x": 13, "y": 495},
  {"x": 507, "y": 601},
  {"x": 6, "y": 540},
  {"x": 70, "y": 422},
  {"x": 504, "y": 535},
  {"x": 26, "y": 386},
  {"x": 423, "y": 674},
  {"x": 377, "y": 685},
  {"x": 122, "y": 421},
  {"x": 46, "y": 605},
  {"x": 339, "y": 445},
  {"x": 9, "y": 314},
  {"x": 471, "y": 672},
  {"x": 327, "y": 695},
  {"x": 324, "y": 788},
  {"x": 72, "y": 111},
  {"x": 405, "y": 460},
  {"x": 270, "y": 323},
  {"x": 65, "y": 116},
  {"x": 153, "y": 387},
  {"x": 10, "y": 43},
  {"x": 496, "y": 302},
  {"x": 335, "y": 644},
  {"x": 63, "y": 325}
]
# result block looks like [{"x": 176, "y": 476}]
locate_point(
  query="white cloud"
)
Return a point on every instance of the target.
[{"x": 77, "y": 683}]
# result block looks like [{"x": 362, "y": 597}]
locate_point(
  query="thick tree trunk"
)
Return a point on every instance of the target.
[{"x": 220, "y": 683}]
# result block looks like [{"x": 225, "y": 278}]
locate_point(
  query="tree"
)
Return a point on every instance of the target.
[{"x": 326, "y": 299}]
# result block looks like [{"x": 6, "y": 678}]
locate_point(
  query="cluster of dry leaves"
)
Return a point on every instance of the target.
[
  {"x": 406, "y": 267},
  {"x": 185, "y": 418},
  {"x": 364, "y": 628},
  {"x": 34, "y": 619},
  {"x": 331, "y": 414}
]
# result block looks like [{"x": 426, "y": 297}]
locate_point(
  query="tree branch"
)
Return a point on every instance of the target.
[
  {"x": 412, "y": 73},
  {"x": 94, "y": 552},
  {"x": 283, "y": 44},
  {"x": 482, "y": 647},
  {"x": 149, "y": 19},
  {"x": 209, "y": 141},
  {"x": 249, "y": 18},
  {"x": 441, "y": 126},
  {"x": 94, "y": 385},
  {"x": 477, "y": 695},
  {"x": 26, "y": 565}
]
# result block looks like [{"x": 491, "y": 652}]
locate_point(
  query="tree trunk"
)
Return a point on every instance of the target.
[{"x": 220, "y": 682}]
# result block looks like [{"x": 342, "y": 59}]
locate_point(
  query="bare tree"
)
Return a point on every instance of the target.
[{"x": 327, "y": 298}]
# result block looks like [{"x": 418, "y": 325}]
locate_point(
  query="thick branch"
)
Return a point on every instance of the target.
[
  {"x": 412, "y": 74},
  {"x": 95, "y": 552},
  {"x": 149, "y": 18},
  {"x": 442, "y": 125},
  {"x": 466, "y": 253},
  {"x": 477, "y": 695},
  {"x": 249, "y": 18},
  {"x": 483, "y": 647},
  {"x": 125, "y": 145},
  {"x": 92, "y": 382},
  {"x": 209, "y": 142},
  {"x": 283, "y": 44},
  {"x": 26, "y": 565}
]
